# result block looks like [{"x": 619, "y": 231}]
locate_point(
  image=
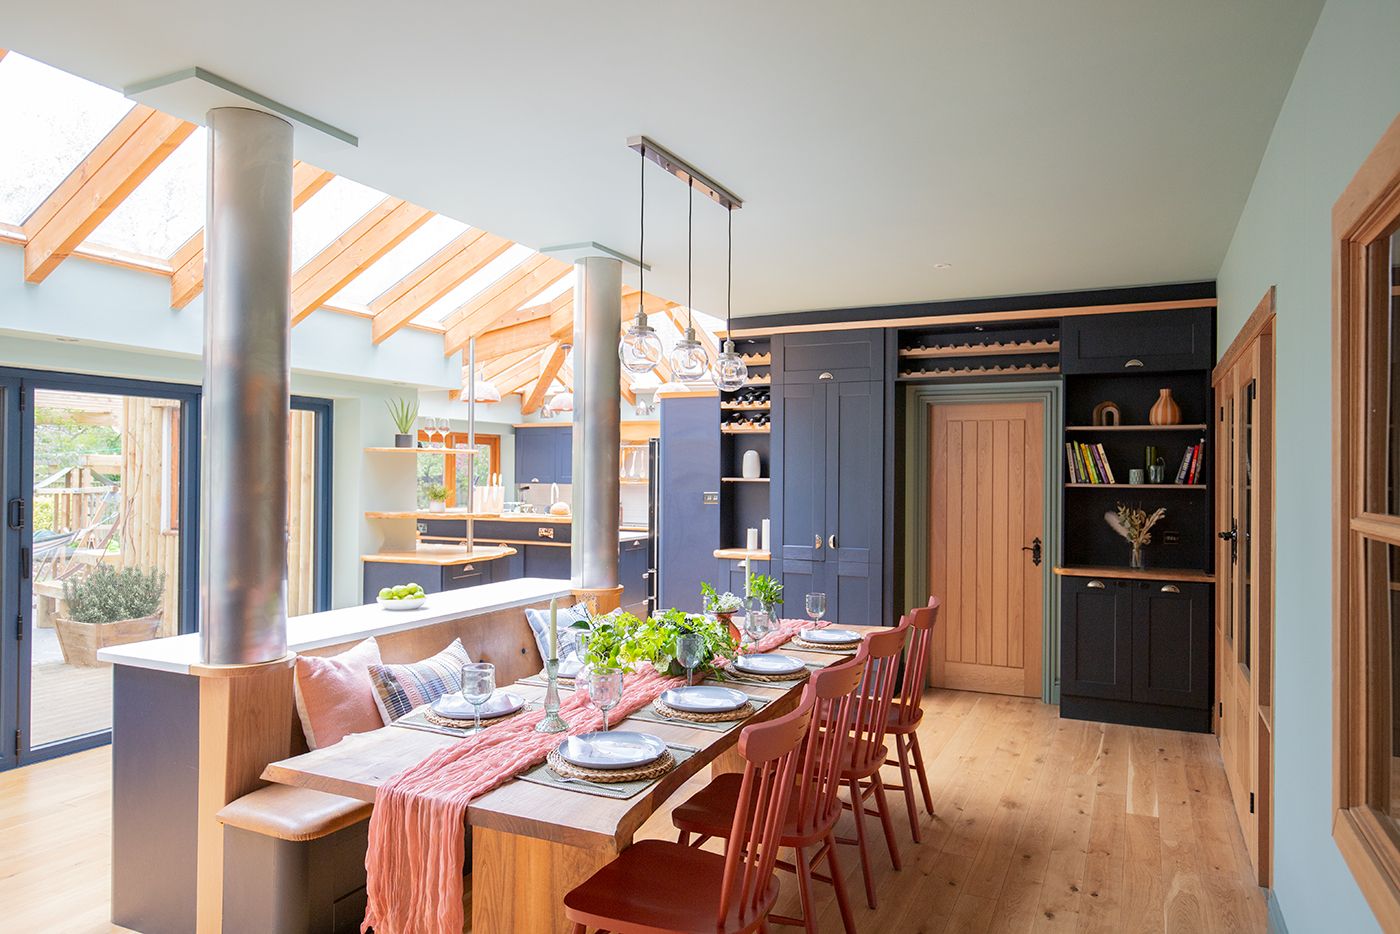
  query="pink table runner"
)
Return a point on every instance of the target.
[{"x": 417, "y": 832}]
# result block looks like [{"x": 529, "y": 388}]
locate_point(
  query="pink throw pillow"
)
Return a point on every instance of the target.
[{"x": 335, "y": 696}]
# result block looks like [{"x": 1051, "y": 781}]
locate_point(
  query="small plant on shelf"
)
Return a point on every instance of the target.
[
  {"x": 404, "y": 414},
  {"x": 437, "y": 497},
  {"x": 1135, "y": 525}
]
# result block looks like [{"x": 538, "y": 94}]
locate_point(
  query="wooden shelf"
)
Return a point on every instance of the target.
[
  {"x": 744, "y": 479},
  {"x": 740, "y": 554},
  {"x": 1184, "y": 575},
  {"x": 745, "y": 431},
  {"x": 1040, "y": 369},
  {"x": 757, "y": 359},
  {"x": 440, "y": 555},
  {"x": 745, "y": 407},
  {"x": 759, "y": 381},
  {"x": 1137, "y": 428},
  {"x": 460, "y": 452},
  {"x": 982, "y": 350},
  {"x": 1195, "y": 487}
]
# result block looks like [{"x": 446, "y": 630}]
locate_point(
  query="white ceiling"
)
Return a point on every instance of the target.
[{"x": 1033, "y": 145}]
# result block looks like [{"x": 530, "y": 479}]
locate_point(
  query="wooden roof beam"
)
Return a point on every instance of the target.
[
  {"x": 523, "y": 373},
  {"x": 187, "y": 280},
  {"x": 528, "y": 335},
  {"x": 123, "y": 159},
  {"x": 501, "y": 297},
  {"x": 386, "y": 226},
  {"x": 553, "y": 361},
  {"x": 491, "y": 369},
  {"x": 442, "y": 272}
]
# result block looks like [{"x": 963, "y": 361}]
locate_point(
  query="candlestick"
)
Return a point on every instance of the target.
[
  {"x": 554, "y": 628},
  {"x": 552, "y": 722},
  {"x": 763, "y": 536}
]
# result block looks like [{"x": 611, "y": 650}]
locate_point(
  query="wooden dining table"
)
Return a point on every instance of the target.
[{"x": 532, "y": 843}]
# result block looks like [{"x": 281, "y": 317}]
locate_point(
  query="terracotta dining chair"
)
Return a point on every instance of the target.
[
  {"x": 907, "y": 711},
  {"x": 656, "y": 886},
  {"x": 861, "y": 772},
  {"x": 815, "y": 806}
]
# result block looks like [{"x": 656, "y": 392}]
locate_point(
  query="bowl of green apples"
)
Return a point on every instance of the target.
[{"x": 402, "y": 597}]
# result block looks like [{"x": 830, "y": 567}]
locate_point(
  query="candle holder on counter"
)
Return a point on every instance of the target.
[{"x": 552, "y": 722}]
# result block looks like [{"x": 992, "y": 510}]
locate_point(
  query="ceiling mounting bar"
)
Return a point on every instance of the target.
[{"x": 685, "y": 171}]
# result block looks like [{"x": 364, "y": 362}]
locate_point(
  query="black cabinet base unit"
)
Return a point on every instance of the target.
[{"x": 1130, "y": 713}]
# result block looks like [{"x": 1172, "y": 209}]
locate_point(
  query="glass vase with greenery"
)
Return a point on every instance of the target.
[{"x": 767, "y": 591}]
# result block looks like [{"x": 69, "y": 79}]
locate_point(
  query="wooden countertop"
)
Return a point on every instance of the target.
[
  {"x": 441, "y": 555},
  {"x": 740, "y": 554},
  {"x": 462, "y": 516},
  {"x": 1144, "y": 574}
]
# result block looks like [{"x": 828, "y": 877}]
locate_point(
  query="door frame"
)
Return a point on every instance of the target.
[{"x": 918, "y": 425}]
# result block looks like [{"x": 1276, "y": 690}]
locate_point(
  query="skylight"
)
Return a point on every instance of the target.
[
  {"x": 550, "y": 293},
  {"x": 329, "y": 213},
  {"x": 52, "y": 120},
  {"x": 400, "y": 261},
  {"x": 475, "y": 285},
  {"x": 166, "y": 209}
]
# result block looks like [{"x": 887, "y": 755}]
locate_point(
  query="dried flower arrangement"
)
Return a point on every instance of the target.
[{"x": 1135, "y": 525}]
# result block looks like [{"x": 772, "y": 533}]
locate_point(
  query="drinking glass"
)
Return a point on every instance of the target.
[
  {"x": 816, "y": 606},
  {"x": 478, "y": 684},
  {"x": 605, "y": 691},
  {"x": 757, "y": 624},
  {"x": 690, "y": 652}
]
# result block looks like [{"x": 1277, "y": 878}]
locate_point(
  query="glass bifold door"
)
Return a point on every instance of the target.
[{"x": 100, "y": 486}]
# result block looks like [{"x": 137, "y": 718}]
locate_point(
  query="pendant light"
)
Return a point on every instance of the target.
[
  {"x": 640, "y": 348},
  {"x": 688, "y": 358},
  {"x": 730, "y": 370},
  {"x": 562, "y": 402},
  {"x": 478, "y": 388}
]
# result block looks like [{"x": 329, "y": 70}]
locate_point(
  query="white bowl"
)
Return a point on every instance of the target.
[{"x": 412, "y": 603}]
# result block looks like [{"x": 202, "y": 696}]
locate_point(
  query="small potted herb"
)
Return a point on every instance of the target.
[
  {"x": 767, "y": 591},
  {"x": 437, "y": 497},
  {"x": 722, "y": 606},
  {"x": 108, "y": 607},
  {"x": 404, "y": 414}
]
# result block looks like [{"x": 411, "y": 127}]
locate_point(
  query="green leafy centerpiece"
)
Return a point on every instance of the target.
[
  {"x": 767, "y": 591},
  {"x": 621, "y": 640}
]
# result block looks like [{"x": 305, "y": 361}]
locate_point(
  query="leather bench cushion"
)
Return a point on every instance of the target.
[{"x": 295, "y": 814}]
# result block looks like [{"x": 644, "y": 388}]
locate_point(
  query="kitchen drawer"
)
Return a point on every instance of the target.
[{"x": 469, "y": 574}]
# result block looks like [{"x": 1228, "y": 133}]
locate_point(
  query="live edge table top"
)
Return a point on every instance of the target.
[{"x": 357, "y": 765}]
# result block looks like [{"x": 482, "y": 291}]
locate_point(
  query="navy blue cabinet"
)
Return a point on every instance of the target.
[
  {"x": 551, "y": 561},
  {"x": 633, "y": 568},
  {"x": 829, "y": 356},
  {"x": 1096, "y": 638},
  {"x": 433, "y": 578},
  {"x": 689, "y": 520},
  {"x": 544, "y": 454},
  {"x": 1142, "y": 342},
  {"x": 828, "y": 475}
]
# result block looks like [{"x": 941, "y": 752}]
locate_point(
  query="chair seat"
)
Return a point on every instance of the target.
[
  {"x": 903, "y": 721},
  {"x": 866, "y": 767},
  {"x": 654, "y": 886},
  {"x": 710, "y": 813}
]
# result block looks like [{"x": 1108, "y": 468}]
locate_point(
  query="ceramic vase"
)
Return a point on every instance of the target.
[
  {"x": 1165, "y": 411},
  {"x": 753, "y": 467}
]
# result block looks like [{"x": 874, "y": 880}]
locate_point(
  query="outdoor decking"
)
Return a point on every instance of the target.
[{"x": 67, "y": 700}]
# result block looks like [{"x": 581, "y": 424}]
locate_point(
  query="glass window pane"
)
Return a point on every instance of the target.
[
  {"x": 1383, "y": 386},
  {"x": 1383, "y": 604},
  {"x": 475, "y": 285},
  {"x": 166, "y": 209},
  {"x": 301, "y": 513},
  {"x": 52, "y": 120},
  {"x": 329, "y": 213},
  {"x": 400, "y": 261}
]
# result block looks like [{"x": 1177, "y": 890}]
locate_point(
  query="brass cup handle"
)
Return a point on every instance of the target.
[
  {"x": 1170, "y": 588},
  {"x": 1135, "y": 362},
  {"x": 819, "y": 542},
  {"x": 831, "y": 542},
  {"x": 1095, "y": 585}
]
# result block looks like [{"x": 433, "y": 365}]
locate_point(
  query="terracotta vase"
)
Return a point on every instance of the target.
[{"x": 1165, "y": 411}]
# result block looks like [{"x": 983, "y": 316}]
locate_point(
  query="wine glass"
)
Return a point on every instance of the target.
[
  {"x": 690, "y": 652},
  {"x": 757, "y": 623},
  {"x": 816, "y": 606},
  {"x": 605, "y": 691},
  {"x": 478, "y": 684}
]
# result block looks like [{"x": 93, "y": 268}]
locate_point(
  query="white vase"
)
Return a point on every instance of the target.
[{"x": 753, "y": 467}]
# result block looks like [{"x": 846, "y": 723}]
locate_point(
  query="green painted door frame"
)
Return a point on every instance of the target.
[{"x": 918, "y": 401}]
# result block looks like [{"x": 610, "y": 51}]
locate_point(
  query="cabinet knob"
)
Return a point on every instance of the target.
[
  {"x": 1132, "y": 363},
  {"x": 1170, "y": 588},
  {"x": 1095, "y": 585},
  {"x": 831, "y": 542},
  {"x": 826, "y": 376}
]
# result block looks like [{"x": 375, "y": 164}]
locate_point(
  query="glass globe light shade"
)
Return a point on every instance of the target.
[
  {"x": 688, "y": 358},
  {"x": 640, "y": 349},
  {"x": 730, "y": 370}
]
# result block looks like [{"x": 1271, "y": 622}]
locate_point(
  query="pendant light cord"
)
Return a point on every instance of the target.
[
  {"x": 729, "y": 280},
  {"x": 642, "y": 238},
  {"x": 689, "y": 241}
]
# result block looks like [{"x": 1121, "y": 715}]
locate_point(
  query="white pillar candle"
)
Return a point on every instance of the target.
[
  {"x": 752, "y": 540},
  {"x": 764, "y": 536},
  {"x": 554, "y": 628}
]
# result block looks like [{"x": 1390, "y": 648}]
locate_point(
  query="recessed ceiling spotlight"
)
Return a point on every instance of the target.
[
  {"x": 66, "y": 340},
  {"x": 942, "y": 265}
]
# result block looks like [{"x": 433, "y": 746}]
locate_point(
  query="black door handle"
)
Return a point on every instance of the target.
[
  {"x": 1233, "y": 537},
  {"x": 1034, "y": 549}
]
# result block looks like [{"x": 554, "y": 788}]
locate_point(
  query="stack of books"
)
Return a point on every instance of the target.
[
  {"x": 1087, "y": 463},
  {"x": 1190, "y": 467}
]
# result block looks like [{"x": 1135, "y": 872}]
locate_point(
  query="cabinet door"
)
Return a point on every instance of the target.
[
  {"x": 1140, "y": 342},
  {"x": 1096, "y": 638},
  {"x": 551, "y": 561},
  {"x": 799, "y": 473},
  {"x": 829, "y": 356},
  {"x": 632, "y": 561},
  {"x": 1171, "y": 644},
  {"x": 563, "y": 455},
  {"x": 688, "y": 501},
  {"x": 855, "y": 502},
  {"x": 535, "y": 457},
  {"x": 457, "y": 576},
  {"x": 381, "y": 574}
]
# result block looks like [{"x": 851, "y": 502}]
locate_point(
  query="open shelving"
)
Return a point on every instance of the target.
[{"x": 745, "y": 501}]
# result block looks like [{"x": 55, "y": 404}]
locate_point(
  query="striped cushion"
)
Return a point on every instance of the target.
[{"x": 398, "y": 689}]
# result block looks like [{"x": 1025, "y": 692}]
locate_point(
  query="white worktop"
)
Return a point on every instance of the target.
[{"x": 332, "y": 627}]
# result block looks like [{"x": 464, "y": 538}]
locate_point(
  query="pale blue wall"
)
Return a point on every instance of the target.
[{"x": 1346, "y": 92}]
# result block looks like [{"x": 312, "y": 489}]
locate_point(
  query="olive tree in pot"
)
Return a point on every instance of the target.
[{"x": 109, "y": 607}]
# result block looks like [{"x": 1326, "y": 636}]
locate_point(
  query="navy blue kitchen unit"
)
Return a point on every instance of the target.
[
  {"x": 689, "y": 517},
  {"x": 544, "y": 454}
]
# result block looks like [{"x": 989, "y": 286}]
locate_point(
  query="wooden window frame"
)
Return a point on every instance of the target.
[
  {"x": 1363, "y": 216},
  {"x": 492, "y": 444}
]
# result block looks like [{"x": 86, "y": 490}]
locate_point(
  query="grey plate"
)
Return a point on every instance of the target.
[
  {"x": 829, "y": 636},
  {"x": 704, "y": 698},
  {"x": 769, "y": 663},
  {"x": 615, "y": 749},
  {"x": 455, "y": 707}
]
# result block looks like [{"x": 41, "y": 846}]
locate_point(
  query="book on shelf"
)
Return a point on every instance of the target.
[
  {"x": 1088, "y": 463},
  {"x": 1190, "y": 468}
]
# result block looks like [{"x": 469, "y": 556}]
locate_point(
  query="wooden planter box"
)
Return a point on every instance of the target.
[{"x": 80, "y": 641}]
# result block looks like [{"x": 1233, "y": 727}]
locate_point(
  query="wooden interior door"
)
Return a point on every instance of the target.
[
  {"x": 1244, "y": 587},
  {"x": 987, "y": 550}
]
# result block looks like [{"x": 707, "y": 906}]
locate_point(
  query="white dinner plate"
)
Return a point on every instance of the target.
[
  {"x": 830, "y": 636},
  {"x": 704, "y": 698},
  {"x": 570, "y": 667},
  {"x": 769, "y": 663},
  {"x": 615, "y": 749},
  {"x": 410, "y": 604},
  {"x": 455, "y": 707}
]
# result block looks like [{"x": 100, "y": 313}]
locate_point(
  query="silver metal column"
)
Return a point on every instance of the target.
[
  {"x": 597, "y": 420},
  {"x": 247, "y": 307}
]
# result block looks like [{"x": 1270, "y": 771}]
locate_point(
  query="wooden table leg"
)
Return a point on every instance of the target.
[{"x": 519, "y": 883}]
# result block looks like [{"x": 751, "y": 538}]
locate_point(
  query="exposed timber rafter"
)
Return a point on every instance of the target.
[
  {"x": 123, "y": 159},
  {"x": 504, "y": 295},
  {"x": 442, "y": 272},
  {"x": 386, "y": 226},
  {"x": 553, "y": 362}
]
